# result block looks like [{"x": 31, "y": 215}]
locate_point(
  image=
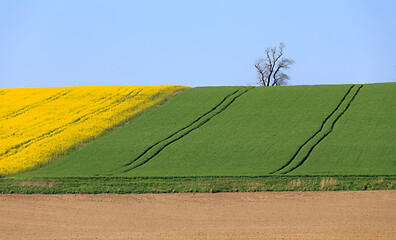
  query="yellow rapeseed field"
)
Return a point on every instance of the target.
[{"x": 39, "y": 124}]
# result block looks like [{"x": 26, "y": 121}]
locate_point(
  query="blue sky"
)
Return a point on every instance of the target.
[{"x": 194, "y": 43}]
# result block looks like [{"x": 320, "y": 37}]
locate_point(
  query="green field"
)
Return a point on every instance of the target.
[{"x": 231, "y": 132}]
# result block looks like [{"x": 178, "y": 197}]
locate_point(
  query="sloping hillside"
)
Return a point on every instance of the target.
[
  {"x": 38, "y": 125},
  {"x": 363, "y": 140},
  {"x": 249, "y": 131}
]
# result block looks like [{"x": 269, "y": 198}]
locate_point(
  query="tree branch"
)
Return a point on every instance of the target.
[{"x": 270, "y": 69}]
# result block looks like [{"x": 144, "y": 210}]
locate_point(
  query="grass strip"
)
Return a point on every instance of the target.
[{"x": 122, "y": 185}]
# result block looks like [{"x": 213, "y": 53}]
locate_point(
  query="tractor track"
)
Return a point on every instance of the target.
[
  {"x": 173, "y": 134},
  {"x": 129, "y": 166},
  {"x": 14, "y": 149},
  {"x": 37, "y": 104},
  {"x": 2, "y": 92},
  {"x": 302, "y": 161}
]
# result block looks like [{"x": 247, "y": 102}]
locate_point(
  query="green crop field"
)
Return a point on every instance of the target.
[
  {"x": 363, "y": 140},
  {"x": 222, "y": 134}
]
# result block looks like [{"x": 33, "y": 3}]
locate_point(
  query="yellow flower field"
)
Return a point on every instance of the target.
[{"x": 39, "y": 124}]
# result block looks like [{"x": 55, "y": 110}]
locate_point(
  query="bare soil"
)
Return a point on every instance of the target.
[{"x": 261, "y": 215}]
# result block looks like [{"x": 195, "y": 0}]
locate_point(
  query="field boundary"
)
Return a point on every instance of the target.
[
  {"x": 188, "y": 129},
  {"x": 105, "y": 131},
  {"x": 180, "y": 177},
  {"x": 122, "y": 185},
  {"x": 60, "y": 129},
  {"x": 305, "y": 147}
]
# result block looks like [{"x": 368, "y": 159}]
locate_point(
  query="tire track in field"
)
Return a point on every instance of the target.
[
  {"x": 316, "y": 133},
  {"x": 173, "y": 134},
  {"x": 2, "y": 92},
  {"x": 37, "y": 104},
  {"x": 189, "y": 128},
  {"x": 14, "y": 149},
  {"x": 331, "y": 129},
  {"x": 102, "y": 99},
  {"x": 62, "y": 128},
  {"x": 320, "y": 131}
]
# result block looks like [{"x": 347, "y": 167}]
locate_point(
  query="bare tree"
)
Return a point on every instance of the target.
[{"x": 270, "y": 70}]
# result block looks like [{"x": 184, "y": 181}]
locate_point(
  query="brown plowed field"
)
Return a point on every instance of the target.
[{"x": 263, "y": 215}]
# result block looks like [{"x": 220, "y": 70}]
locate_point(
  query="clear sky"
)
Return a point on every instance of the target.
[{"x": 194, "y": 43}]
